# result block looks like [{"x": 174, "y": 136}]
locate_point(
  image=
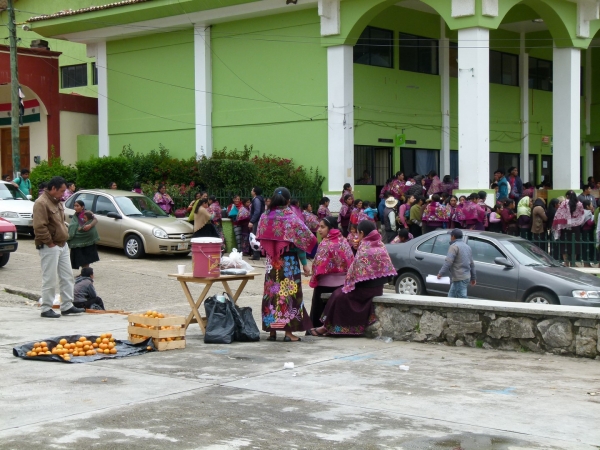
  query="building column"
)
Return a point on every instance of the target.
[
  {"x": 203, "y": 94},
  {"x": 445, "y": 96},
  {"x": 589, "y": 163},
  {"x": 101, "y": 64},
  {"x": 340, "y": 111},
  {"x": 524, "y": 83},
  {"x": 566, "y": 118},
  {"x": 473, "y": 108}
]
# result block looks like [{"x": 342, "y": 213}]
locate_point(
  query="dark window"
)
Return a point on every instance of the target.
[
  {"x": 418, "y": 54},
  {"x": 454, "y": 164},
  {"x": 375, "y": 48},
  {"x": 454, "y": 59},
  {"x": 417, "y": 160},
  {"x": 504, "y": 68},
  {"x": 427, "y": 246},
  {"x": 87, "y": 199},
  {"x": 73, "y": 76},
  {"x": 540, "y": 74},
  {"x": 94, "y": 74},
  {"x": 505, "y": 161},
  {"x": 373, "y": 165},
  {"x": 442, "y": 244},
  {"x": 104, "y": 206},
  {"x": 483, "y": 251}
]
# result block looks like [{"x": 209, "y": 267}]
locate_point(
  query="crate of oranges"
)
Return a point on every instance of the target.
[{"x": 166, "y": 330}]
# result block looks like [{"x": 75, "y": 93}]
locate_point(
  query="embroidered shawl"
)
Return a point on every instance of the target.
[
  {"x": 297, "y": 211},
  {"x": 334, "y": 255},
  {"x": 215, "y": 210},
  {"x": 470, "y": 211},
  {"x": 447, "y": 188},
  {"x": 344, "y": 213},
  {"x": 398, "y": 188},
  {"x": 243, "y": 214},
  {"x": 397, "y": 240},
  {"x": 351, "y": 238},
  {"x": 164, "y": 201},
  {"x": 310, "y": 220},
  {"x": 346, "y": 192},
  {"x": 436, "y": 186},
  {"x": 372, "y": 261},
  {"x": 279, "y": 228},
  {"x": 436, "y": 212},
  {"x": 383, "y": 191},
  {"x": 322, "y": 212},
  {"x": 524, "y": 207},
  {"x": 563, "y": 219}
]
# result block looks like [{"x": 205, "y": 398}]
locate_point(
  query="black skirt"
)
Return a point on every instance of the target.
[{"x": 84, "y": 256}]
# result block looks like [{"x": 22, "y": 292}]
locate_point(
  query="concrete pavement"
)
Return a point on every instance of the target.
[{"x": 343, "y": 392}]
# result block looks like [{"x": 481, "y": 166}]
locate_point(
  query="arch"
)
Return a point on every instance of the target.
[{"x": 5, "y": 96}]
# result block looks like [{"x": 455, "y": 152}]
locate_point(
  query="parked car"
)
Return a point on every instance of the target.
[
  {"x": 8, "y": 241},
  {"x": 133, "y": 222},
  {"x": 16, "y": 207},
  {"x": 508, "y": 269}
]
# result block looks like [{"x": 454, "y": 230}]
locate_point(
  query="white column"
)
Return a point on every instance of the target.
[
  {"x": 340, "y": 111},
  {"x": 566, "y": 118},
  {"x": 524, "y": 83},
  {"x": 101, "y": 64},
  {"x": 445, "y": 96},
  {"x": 203, "y": 95},
  {"x": 473, "y": 108}
]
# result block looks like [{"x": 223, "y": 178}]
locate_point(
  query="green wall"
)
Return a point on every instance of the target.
[
  {"x": 262, "y": 61},
  {"x": 87, "y": 146},
  {"x": 151, "y": 93}
]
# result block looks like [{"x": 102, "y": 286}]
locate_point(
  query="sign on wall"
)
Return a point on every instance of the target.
[{"x": 32, "y": 112}]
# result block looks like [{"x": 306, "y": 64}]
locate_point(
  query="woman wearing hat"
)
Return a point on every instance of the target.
[{"x": 389, "y": 219}]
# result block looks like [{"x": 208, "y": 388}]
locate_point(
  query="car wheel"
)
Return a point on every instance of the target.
[
  {"x": 134, "y": 247},
  {"x": 542, "y": 298},
  {"x": 4, "y": 257},
  {"x": 409, "y": 283}
]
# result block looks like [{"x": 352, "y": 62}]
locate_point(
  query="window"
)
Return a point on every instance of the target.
[
  {"x": 375, "y": 48},
  {"x": 504, "y": 68},
  {"x": 504, "y": 161},
  {"x": 377, "y": 161},
  {"x": 104, "y": 206},
  {"x": 442, "y": 244},
  {"x": 73, "y": 76},
  {"x": 427, "y": 246},
  {"x": 94, "y": 74},
  {"x": 484, "y": 251},
  {"x": 418, "y": 54},
  {"x": 454, "y": 59},
  {"x": 453, "y": 164},
  {"x": 87, "y": 199},
  {"x": 540, "y": 74},
  {"x": 417, "y": 160}
]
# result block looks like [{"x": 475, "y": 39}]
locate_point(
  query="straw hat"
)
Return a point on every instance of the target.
[{"x": 391, "y": 202}]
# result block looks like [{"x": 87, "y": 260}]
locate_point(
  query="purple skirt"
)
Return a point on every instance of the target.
[{"x": 350, "y": 314}]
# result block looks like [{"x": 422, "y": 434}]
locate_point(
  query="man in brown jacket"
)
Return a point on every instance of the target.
[{"x": 51, "y": 236}]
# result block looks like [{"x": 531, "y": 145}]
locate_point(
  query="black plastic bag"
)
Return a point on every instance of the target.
[
  {"x": 246, "y": 329},
  {"x": 220, "y": 324}
]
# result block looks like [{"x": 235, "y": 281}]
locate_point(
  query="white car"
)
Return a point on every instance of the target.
[{"x": 16, "y": 207}]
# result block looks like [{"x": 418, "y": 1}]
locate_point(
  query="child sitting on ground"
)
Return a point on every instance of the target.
[
  {"x": 84, "y": 294},
  {"x": 403, "y": 236}
]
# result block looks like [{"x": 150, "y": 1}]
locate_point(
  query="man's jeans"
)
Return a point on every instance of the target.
[
  {"x": 56, "y": 260},
  {"x": 458, "y": 289}
]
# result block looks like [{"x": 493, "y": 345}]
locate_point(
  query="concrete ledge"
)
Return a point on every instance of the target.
[
  {"x": 561, "y": 330},
  {"x": 584, "y": 312}
]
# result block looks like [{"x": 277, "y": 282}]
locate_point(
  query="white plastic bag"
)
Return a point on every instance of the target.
[{"x": 235, "y": 261}]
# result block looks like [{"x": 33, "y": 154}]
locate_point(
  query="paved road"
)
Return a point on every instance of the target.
[{"x": 346, "y": 393}]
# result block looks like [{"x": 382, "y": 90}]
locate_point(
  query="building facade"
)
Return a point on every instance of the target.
[{"x": 457, "y": 86}]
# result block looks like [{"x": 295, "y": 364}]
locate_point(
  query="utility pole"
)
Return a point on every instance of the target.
[{"x": 14, "y": 85}]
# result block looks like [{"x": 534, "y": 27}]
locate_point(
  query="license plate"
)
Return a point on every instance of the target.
[
  {"x": 8, "y": 248},
  {"x": 182, "y": 246}
]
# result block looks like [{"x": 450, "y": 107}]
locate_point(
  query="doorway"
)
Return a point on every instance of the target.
[
  {"x": 6, "y": 161},
  {"x": 373, "y": 165},
  {"x": 547, "y": 168}
]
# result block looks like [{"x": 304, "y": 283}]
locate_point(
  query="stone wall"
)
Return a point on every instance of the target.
[{"x": 573, "y": 331}]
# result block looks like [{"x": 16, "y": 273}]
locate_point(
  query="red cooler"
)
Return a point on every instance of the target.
[{"x": 206, "y": 257}]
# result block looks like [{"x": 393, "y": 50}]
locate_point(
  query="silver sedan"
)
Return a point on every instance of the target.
[{"x": 508, "y": 269}]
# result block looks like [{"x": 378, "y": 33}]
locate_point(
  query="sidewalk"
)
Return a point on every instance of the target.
[{"x": 342, "y": 393}]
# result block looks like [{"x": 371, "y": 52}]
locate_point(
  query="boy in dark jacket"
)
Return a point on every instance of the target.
[{"x": 85, "y": 294}]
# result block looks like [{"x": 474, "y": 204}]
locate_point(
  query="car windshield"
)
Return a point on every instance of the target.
[
  {"x": 138, "y": 206},
  {"x": 10, "y": 192},
  {"x": 529, "y": 254}
]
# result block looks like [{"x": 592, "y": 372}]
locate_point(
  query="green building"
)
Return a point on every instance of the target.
[{"x": 457, "y": 86}]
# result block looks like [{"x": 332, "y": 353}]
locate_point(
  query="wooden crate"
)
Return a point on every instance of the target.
[{"x": 154, "y": 331}]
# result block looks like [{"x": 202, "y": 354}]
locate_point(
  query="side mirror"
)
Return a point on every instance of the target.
[
  {"x": 114, "y": 215},
  {"x": 503, "y": 262}
]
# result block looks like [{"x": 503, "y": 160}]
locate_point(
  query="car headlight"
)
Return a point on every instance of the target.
[
  {"x": 12, "y": 215},
  {"x": 160, "y": 233},
  {"x": 586, "y": 294},
  {"x": 9, "y": 236}
]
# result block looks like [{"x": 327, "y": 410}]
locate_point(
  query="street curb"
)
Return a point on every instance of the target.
[{"x": 31, "y": 295}]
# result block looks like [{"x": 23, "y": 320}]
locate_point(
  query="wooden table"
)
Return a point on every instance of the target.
[{"x": 186, "y": 278}]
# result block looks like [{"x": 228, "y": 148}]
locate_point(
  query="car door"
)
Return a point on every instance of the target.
[
  {"x": 494, "y": 281},
  {"x": 430, "y": 256},
  {"x": 109, "y": 229},
  {"x": 87, "y": 199}
]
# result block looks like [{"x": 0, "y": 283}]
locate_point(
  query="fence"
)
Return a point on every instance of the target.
[{"x": 578, "y": 246}]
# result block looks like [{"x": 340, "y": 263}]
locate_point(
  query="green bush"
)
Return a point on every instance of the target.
[
  {"x": 217, "y": 174},
  {"x": 45, "y": 170},
  {"x": 97, "y": 173},
  {"x": 159, "y": 167}
]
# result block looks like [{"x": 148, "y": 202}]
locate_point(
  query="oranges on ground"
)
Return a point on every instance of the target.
[{"x": 81, "y": 347}]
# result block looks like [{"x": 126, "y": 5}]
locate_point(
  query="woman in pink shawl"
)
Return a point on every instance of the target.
[
  {"x": 346, "y": 191},
  {"x": 566, "y": 227},
  {"x": 164, "y": 200},
  {"x": 345, "y": 213},
  {"x": 329, "y": 267},
  {"x": 398, "y": 186},
  {"x": 471, "y": 215},
  {"x": 349, "y": 310},
  {"x": 436, "y": 186},
  {"x": 285, "y": 240},
  {"x": 447, "y": 185},
  {"x": 435, "y": 214}
]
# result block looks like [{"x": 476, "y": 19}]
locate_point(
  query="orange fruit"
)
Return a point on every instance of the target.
[
  {"x": 87, "y": 343},
  {"x": 45, "y": 349},
  {"x": 149, "y": 348},
  {"x": 62, "y": 342},
  {"x": 109, "y": 335},
  {"x": 48, "y": 353},
  {"x": 113, "y": 351},
  {"x": 79, "y": 345},
  {"x": 98, "y": 340},
  {"x": 81, "y": 353},
  {"x": 161, "y": 316},
  {"x": 86, "y": 348},
  {"x": 82, "y": 339},
  {"x": 43, "y": 344},
  {"x": 29, "y": 353},
  {"x": 66, "y": 358},
  {"x": 95, "y": 345},
  {"x": 59, "y": 346},
  {"x": 107, "y": 351},
  {"x": 110, "y": 345},
  {"x": 89, "y": 353},
  {"x": 103, "y": 346},
  {"x": 112, "y": 339},
  {"x": 37, "y": 344},
  {"x": 33, "y": 354},
  {"x": 105, "y": 341}
]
